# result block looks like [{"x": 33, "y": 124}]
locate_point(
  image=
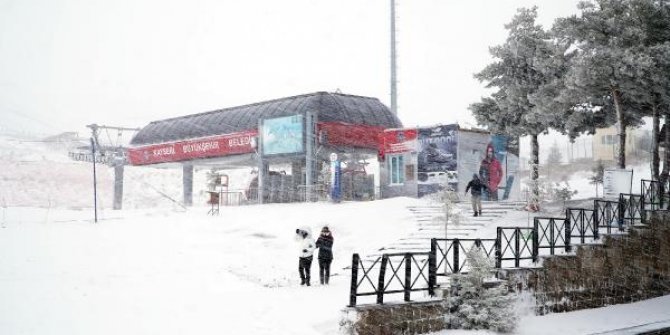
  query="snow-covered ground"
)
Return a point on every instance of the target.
[{"x": 155, "y": 268}]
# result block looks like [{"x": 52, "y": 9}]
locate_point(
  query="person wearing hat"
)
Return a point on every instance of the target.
[
  {"x": 304, "y": 237},
  {"x": 477, "y": 186},
  {"x": 325, "y": 245}
]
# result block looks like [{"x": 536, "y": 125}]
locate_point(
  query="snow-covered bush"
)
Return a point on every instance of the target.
[{"x": 476, "y": 302}]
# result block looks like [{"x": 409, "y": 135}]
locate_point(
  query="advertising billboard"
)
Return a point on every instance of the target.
[
  {"x": 437, "y": 158},
  {"x": 494, "y": 159},
  {"x": 283, "y": 135}
]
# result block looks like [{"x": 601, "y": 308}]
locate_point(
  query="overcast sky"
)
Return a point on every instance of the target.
[{"x": 68, "y": 63}]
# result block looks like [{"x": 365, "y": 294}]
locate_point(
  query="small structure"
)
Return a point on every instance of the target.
[
  {"x": 298, "y": 132},
  {"x": 421, "y": 161}
]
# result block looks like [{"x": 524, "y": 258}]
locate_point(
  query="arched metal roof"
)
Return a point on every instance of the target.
[{"x": 331, "y": 107}]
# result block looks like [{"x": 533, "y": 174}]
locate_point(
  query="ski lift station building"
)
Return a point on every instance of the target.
[{"x": 299, "y": 131}]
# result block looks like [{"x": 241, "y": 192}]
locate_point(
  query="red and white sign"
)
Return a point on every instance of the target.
[
  {"x": 399, "y": 140},
  {"x": 344, "y": 134},
  {"x": 205, "y": 147}
]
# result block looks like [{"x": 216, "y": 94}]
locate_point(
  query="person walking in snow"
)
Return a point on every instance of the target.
[
  {"x": 325, "y": 245},
  {"x": 304, "y": 237},
  {"x": 477, "y": 186}
]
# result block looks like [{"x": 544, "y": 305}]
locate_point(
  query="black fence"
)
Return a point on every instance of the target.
[
  {"x": 631, "y": 209},
  {"x": 397, "y": 273},
  {"x": 607, "y": 215},
  {"x": 418, "y": 271},
  {"x": 653, "y": 194},
  {"x": 552, "y": 234},
  {"x": 515, "y": 244},
  {"x": 581, "y": 224},
  {"x": 450, "y": 253}
]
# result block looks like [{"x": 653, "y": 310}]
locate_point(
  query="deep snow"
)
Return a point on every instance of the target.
[{"x": 155, "y": 268}]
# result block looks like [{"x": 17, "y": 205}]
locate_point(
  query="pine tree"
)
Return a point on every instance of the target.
[
  {"x": 527, "y": 75},
  {"x": 610, "y": 66},
  {"x": 474, "y": 306}
]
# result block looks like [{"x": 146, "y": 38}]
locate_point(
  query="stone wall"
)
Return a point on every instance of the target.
[
  {"x": 413, "y": 318},
  {"x": 624, "y": 269}
]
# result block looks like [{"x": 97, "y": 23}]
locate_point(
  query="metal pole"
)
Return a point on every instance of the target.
[
  {"x": 354, "y": 280},
  {"x": 381, "y": 282},
  {"x": 95, "y": 183},
  {"x": 432, "y": 270},
  {"x": 408, "y": 275},
  {"x": 394, "y": 80}
]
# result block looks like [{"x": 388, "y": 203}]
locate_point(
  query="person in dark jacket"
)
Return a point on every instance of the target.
[
  {"x": 477, "y": 186},
  {"x": 306, "y": 244},
  {"x": 325, "y": 245}
]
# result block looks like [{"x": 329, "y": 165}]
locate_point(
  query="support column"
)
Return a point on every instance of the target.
[
  {"x": 263, "y": 180},
  {"x": 187, "y": 178},
  {"x": 118, "y": 185},
  {"x": 310, "y": 154},
  {"x": 263, "y": 167}
]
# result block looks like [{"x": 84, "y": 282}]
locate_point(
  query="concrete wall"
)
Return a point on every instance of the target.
[{"x": 409, "y": 188}]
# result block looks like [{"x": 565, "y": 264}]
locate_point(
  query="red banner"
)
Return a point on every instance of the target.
[
  {"x": 399, "y": 140},
  {"x": 344, "y": 134},
  {"x": 204, "y": 147}
]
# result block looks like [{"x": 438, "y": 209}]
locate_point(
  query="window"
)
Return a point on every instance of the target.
[
  {"x": 608, "y": 139},
  {"x": 397, "y": 167}
]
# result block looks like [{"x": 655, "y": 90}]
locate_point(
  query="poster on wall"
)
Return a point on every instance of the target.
[
  {"x": 616, "y": 181},
  {"x": 437, "y": 158},
  {"x": 494, "y": 159},
  {"x": 283, "y": 135}
]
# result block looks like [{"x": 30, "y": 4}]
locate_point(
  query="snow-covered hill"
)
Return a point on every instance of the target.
[{"x": 38, "y": 173}]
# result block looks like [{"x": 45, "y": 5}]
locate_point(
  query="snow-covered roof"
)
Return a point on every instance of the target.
[{"x": 331, "y": 107}]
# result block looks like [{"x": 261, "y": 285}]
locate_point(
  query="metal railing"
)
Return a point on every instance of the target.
[
  {"x": 366, "y": 285},
  {"x": 652, "y": 194},
  {"x": 606, "y": 214},
  {"x": 631, "y": 209},
  {"x": 552, "y": 234},
  {"x": 418, "y": 271},
  {"x": 448, "y": 253},
  {"x": 515, "y": 244},
  {"x": 581, "y": 224},
  {"x": 407, "y": 272}
]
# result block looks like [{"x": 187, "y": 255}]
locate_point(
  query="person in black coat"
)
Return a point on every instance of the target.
[
  {"x": 477, "y": 187},
  {"x": 325, "y": 245}
]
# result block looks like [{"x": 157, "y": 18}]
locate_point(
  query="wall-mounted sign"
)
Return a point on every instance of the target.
[
  {"x": 283, "y": 135},
  {"x": 205, "y": 147}
]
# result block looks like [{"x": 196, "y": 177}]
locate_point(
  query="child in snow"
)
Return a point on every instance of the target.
[
  {"x": 325, "y": 245},
  {"x": 304, "y": 237}
]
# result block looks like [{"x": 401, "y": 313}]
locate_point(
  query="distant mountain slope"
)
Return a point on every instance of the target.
[{"x": 37, "y": 173}]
